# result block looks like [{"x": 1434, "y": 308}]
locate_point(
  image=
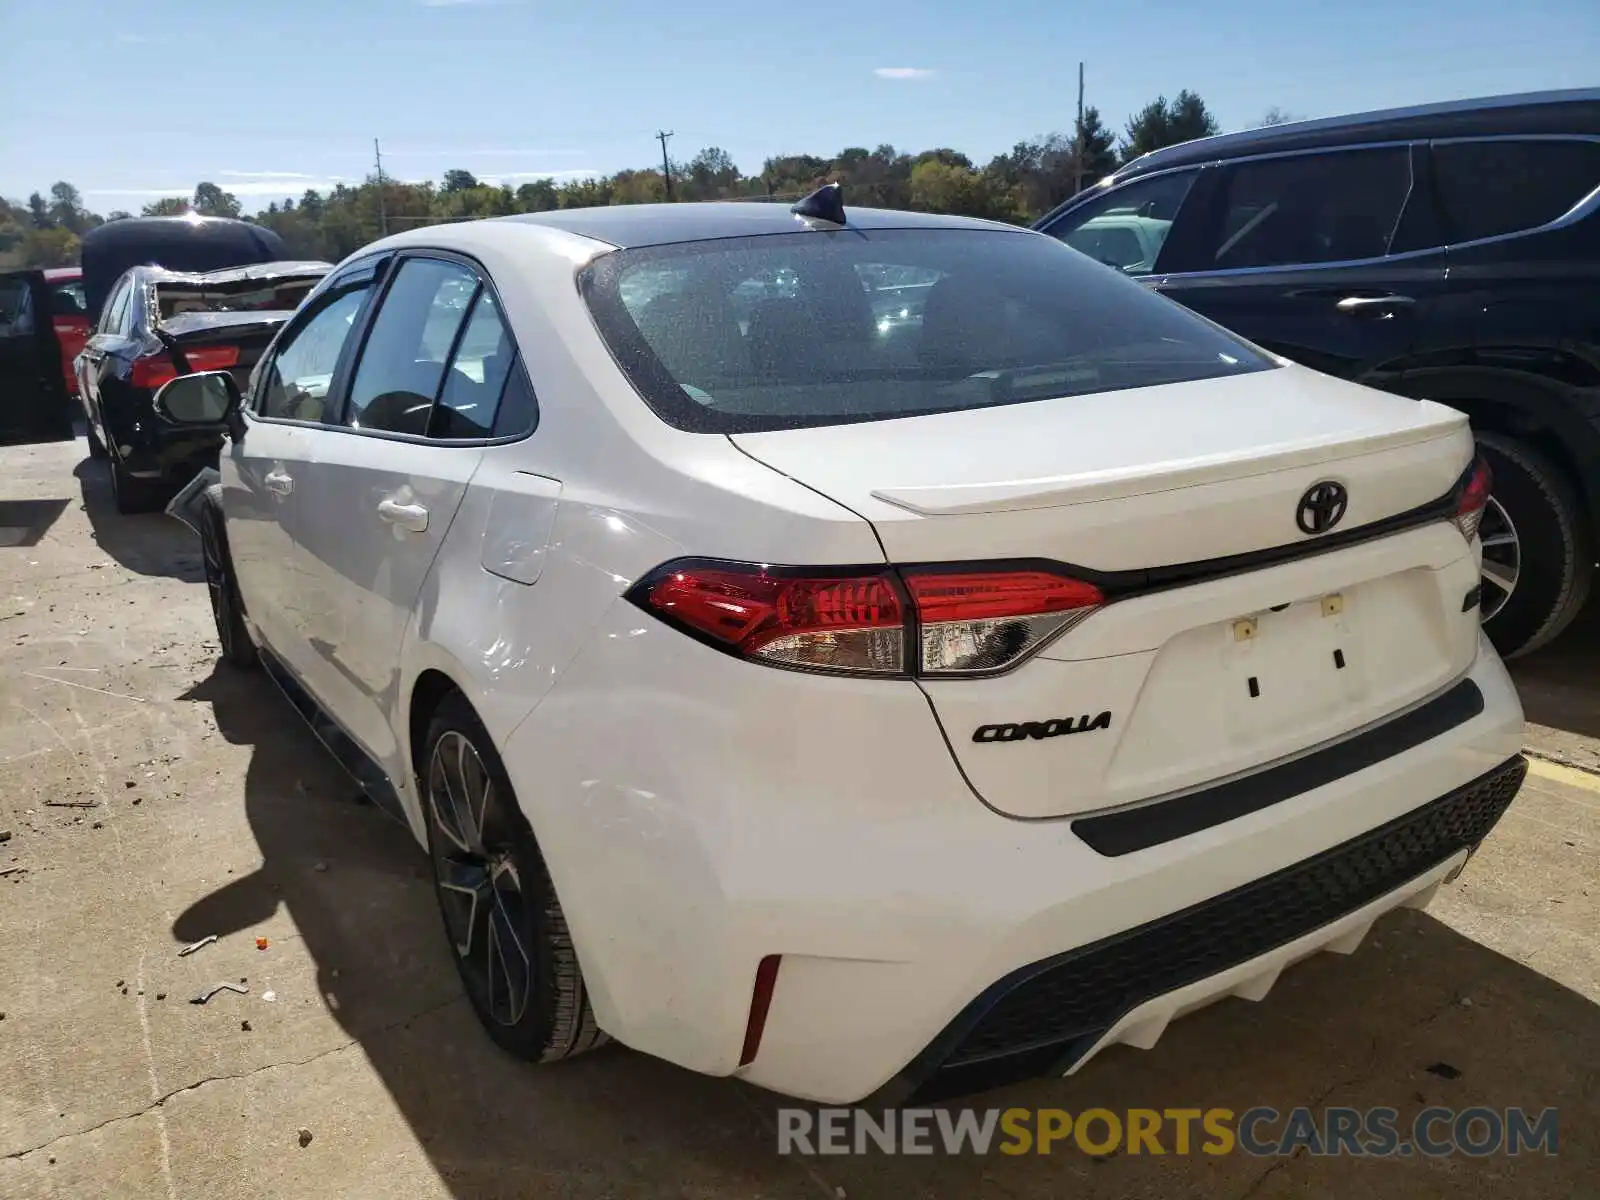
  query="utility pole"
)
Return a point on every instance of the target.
[
  {"x": 383, "y": 208},
  {"x": 1077, "y": 140},
  {"x": 666, "y": 167}
]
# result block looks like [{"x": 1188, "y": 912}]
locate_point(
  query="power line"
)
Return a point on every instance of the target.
[{"x": 666, "y": 167}]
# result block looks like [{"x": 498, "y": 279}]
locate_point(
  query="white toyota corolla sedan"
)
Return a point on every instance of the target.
[{"x": 868, "y": 653}]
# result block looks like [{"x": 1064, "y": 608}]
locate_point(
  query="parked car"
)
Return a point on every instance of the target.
[
  {"x": 855, "y": 710},
  {"x": 186, "y": 243},
  {"x": 1447, "y": 252},
  {"x": 69, "y": 316},
  {"x": 33, "y": 403},
  {"x": 159, "y": 324}
]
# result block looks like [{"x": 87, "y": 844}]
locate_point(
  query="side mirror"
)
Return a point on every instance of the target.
[{"x": 209, "y": 398}]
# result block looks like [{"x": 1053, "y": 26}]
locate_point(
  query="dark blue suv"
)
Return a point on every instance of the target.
[{"x": 1449, "y": 252}]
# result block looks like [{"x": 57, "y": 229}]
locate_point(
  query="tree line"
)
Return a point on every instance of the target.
[{"x": 1017, "y": 186}]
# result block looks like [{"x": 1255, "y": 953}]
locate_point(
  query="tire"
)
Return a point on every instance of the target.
[
  {"x": 534, "y": 1006},
  {"x": 133, "y": 495},
  {"x": 97, "y": 448},
  {"x": 227, "y": 609},
  {"x": 1536, "y": 536}
]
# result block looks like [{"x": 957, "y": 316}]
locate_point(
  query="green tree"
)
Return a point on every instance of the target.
[
  {"x": 538, "y": 196},
  {"x": 1278, "y": 116},
  {"x": 212, "y": 201},
  {"x": 66, "y": 207},
  {"x": 53, "y": 247},
  {"x": 167, "y": 206},
  {"x": 39, "y": 212},
  {"x": 1099, "y": 147},
  {"x": 458, "y": 181},
  {"x": 1165, "y": 122}
]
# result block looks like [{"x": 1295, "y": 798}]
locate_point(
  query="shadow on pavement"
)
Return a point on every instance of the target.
[
  {"x": 1560, "y": 683},
  {"x": 1358, "y": 1031},
  {"x": 24, "y": 522},
  {"x": 148, "y": 543}
]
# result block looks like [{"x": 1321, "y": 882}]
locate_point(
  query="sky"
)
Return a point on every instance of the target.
[{"x": 130, "y": 101}]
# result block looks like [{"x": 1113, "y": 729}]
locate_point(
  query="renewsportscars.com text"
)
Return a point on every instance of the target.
[{"x": 1262, "y": 1132}]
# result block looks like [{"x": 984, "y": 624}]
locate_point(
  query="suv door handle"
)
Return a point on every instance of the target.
[
  {"x": 1360, "y": 306},
  {"x": 408, "y": 516},
  {"x": 278, "y": 483}
]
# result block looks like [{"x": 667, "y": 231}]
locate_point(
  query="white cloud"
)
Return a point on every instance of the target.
[
  {"x": 575, "y": 173},
  {"x": 264, "y": 175},
  {"x": 904, "y": 72}
]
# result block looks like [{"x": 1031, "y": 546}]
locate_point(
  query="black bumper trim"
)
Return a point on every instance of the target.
[
  {"x": 1132, "y": 829},
  {"x": 1044, "y": 1017}
]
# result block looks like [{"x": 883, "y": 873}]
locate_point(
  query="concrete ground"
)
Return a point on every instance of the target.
[{"x": 153, "y": 798}]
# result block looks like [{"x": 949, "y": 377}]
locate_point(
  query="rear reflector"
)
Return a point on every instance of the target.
[
  {"x": 955, "y": 620},
  {"x": 1472, "y": 497},
  {"x": 760, "y": 1002}
]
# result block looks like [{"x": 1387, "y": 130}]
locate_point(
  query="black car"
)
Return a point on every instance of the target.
[
  {"x": 156, "y": 325},
  {"x": 1449, "y": 252},
  {"x": 33, "y": 396}
]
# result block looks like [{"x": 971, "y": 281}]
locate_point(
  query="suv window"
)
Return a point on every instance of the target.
[
  {"x": 1005, "y": 318},
  {"x": 67, "y": 299},
  {"x": 1306, "y": 208},
  {"x": 1127, "y": 227},
  {"x": 403, "y": 362},
  {"x": 1491, "y": 188},
  {"x": 295, "y": 384}
]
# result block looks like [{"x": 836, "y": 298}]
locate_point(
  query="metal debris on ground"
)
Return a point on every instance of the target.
[
  {"x": 14, "y": 871},
  {"x": 72, "y": 804},
  {"x": 211, "y": 991},
  {"x": 269, "y": 997},
  {"x": 201, "y": 944},
  {"x": 305, "y": 1138},
  {"x": 262, "y": 943}
]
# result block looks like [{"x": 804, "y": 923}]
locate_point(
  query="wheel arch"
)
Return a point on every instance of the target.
[{"x": 1532, "y": 409}]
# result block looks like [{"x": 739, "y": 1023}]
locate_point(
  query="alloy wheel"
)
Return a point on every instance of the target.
[
  {"x": 480, "y": 883},
  {"x": 1502, "y": 558}
]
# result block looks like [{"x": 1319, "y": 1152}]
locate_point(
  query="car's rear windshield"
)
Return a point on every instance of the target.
[
  {"x": 263, "y": 295},
  {"x": 822, "y": 328}
]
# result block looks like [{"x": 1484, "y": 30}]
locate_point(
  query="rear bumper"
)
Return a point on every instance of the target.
[{"x": 926, "y": 942}]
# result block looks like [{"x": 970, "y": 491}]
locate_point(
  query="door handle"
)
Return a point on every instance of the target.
[
  {"x": 408, "y": 516},
  {"x": 278, "y": 483},
  {"x": 1360, "y": 306}
]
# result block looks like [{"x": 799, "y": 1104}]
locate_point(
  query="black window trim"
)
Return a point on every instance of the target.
[
  {"x": 1586, "y": 206},
  {"x": 337, "y": 288},
  {"x": 335, "y": 422}
]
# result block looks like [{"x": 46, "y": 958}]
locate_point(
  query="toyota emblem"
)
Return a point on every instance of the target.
[{"x": 1322, "y": 507}]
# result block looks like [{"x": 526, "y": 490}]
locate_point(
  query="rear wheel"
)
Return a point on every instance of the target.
[
  {"x": 226, "y": 610},
  {"x": 505, "y": 926},
  {"x": 1538, "y": 557}
]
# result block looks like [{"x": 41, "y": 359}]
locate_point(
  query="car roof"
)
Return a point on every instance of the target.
[
  {"x": 262, "y": 271},
  {"x": 629, "y": 225},
  {"x": 1576, "y": 111}
]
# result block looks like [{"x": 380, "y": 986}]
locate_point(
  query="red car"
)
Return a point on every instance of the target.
[{"x": 69, "y": 313}]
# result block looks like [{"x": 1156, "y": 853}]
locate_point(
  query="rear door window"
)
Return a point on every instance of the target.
[
  {"x": 413, "y": 334},
  {"x": 477, "y": 376},
  {"x": 1305, "y": 208},
  {"x": 792, "y": 330},
  {"x": 1496, "y": 187},
  {"x": 1128, "y": 226},
  {"x": 67, "y": 299}
]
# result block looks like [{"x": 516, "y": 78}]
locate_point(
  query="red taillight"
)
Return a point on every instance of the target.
[
  {"x": 153, "y": 371},
  {"x": 966, "y": 622},
  {"x": 840, "y": 623},
  {"x": 212, "y": 358},
  {"x": 1472, "y": 497}
]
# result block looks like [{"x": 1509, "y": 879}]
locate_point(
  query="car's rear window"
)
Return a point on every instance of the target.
[
  {"x": 277, "y": 295},
  {"x": 823, "y": 328}
]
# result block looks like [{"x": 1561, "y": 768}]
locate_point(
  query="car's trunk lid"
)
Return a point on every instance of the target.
[{"x": 1232, "y": 636}]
